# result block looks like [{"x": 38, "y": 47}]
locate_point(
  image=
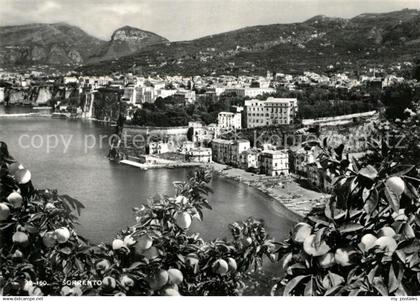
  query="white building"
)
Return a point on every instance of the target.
[
  {"x": 274, "y": 162},
  {"x": 159, "y": 147},
  {"x": 199, "y": 155},
  {"x": 133, "y": 95},
  {"x": 228, "y": 120},
  {"x": 166, "y": 93},
  {"x": 1, "y": 94},
  {"x": 273, "y": 111},
  {"x": 250, "y": 92}
]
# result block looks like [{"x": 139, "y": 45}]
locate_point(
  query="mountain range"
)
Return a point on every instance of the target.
[
  {"x": 64, "y": 44},
  {"x": 315, "y": 44}
]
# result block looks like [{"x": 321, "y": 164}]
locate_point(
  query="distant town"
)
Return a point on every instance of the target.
[{"x": 244, "y": 122}]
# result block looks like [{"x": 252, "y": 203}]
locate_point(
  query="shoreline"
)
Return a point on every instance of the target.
[
  {"x": 169, "y": 165},
  {"x": 50, "y": 115},
  {"x": 283, "y": 190},
  {"x": 14, "y": 115}
]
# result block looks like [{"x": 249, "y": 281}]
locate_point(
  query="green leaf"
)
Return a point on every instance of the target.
[
  {"x": 290, "y": 286},
  {"x": 274, "y": 290},
  {"x": 415, "y": 260},
  {"x": 393, "y": 282},
  {"x": 135, "y": 265},
  {"x": 339, "y": 151},
  {"x": 350, "y": 227},
  {"x": 5, "y": 226},
  {"x": 356, "y": 164},
  {"x": 406, "y": 170},
  {"x": 393, "y": 198},
  {"x": 372, "y": 274},
  {"x": 318, "y": 237},
  {"x": 333, "y": 291},
  {"x": 408, "y": 231},
  {"x": 73, "y": 202},
  {"x": 309, "y": 288},
  {"x": 325, "y": 142},
  {"x": 65, "y": 250},
  {"x": 410, "y": 247},
  {"x": 401, "y": 255},
  {"x": 372, "y": 202},
  {"x": 335, "y": 279},
  {"x": 205, "y": 204},
  {"x": 31, "y": 228},
  {"x": 369, "y": 172},
  {"x": 379, "y": 285},
  {"x": 365, "y": 194},
  {"x": 80, "y": 265},
  {"x": 401, "y": 291},
  {"x": 318, "y": 221},
  {"x": 412, "y": 189}
]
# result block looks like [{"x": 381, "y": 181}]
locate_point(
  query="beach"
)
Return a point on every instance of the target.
[{"x": 282, "y": 189}]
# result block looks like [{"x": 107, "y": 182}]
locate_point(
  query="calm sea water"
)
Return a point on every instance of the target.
[{"x": 110, "y": 191}]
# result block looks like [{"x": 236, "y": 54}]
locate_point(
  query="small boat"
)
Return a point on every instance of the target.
[
  {"x": 60, "y": 115},
  {"x": 41, "y": 108}
]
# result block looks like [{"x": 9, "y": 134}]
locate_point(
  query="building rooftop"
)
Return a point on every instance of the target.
[{"x": 272, "y": 100}]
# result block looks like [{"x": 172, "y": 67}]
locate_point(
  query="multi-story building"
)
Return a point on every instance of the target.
[
  {"x": 274, "y": 162},
  {"x": 129, "y": 95},
  {"x": 200, "y": 155},
  {"x": 249, "y": 159},
  {"x": 228, "y": 120},
  {"x": 228, "y": 151},
  {"x": 184, "y": 96},
  {"x": 299, "y": 159},
  {"x": 159, "y": 147},
  {"x": 273, "y": 111},
  {"x": 202, "y": 134},
  {"x": 187, "y": 146},
  {"x": 250, "y": 92},
  {"x": 148, "y": 95}
]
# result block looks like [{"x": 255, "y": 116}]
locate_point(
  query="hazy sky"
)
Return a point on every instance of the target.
[{"x": 184, "y": 19}]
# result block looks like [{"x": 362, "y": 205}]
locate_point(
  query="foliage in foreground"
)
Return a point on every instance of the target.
[
  {"x": 41, "y": 253},
  {"x": 366, "y": 240}
]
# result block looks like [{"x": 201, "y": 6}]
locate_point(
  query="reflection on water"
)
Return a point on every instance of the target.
[{"x": 110, "y": 191}]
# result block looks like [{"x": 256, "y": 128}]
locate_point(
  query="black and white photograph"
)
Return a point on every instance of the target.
[{"x": 209, "y": 148}]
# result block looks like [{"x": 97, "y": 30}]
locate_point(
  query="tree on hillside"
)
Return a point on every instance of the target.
[
  {"x": 396, "y": 99},
  {"x": 417, "y": 70}
]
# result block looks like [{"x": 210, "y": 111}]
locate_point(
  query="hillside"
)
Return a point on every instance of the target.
[
  {"x": 125, "y": 41},
  {"x": 311, "y": 45},
  {"x": 51, "y": 44},
  {"x": 318, "y": 44},
  {"x": 61, "y": 44}
]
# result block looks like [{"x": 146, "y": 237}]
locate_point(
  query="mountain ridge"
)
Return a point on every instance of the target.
[
  {"x": 318, "y": 43},
  {"x": 315, "y": 43},
  {"x": 65, "y": 44},
  {"x": 127, "y": 40}
]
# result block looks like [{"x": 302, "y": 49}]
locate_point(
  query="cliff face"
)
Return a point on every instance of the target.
[
  {"x": 125, "y": 41},
  {"x": 44, "y": 96}
]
